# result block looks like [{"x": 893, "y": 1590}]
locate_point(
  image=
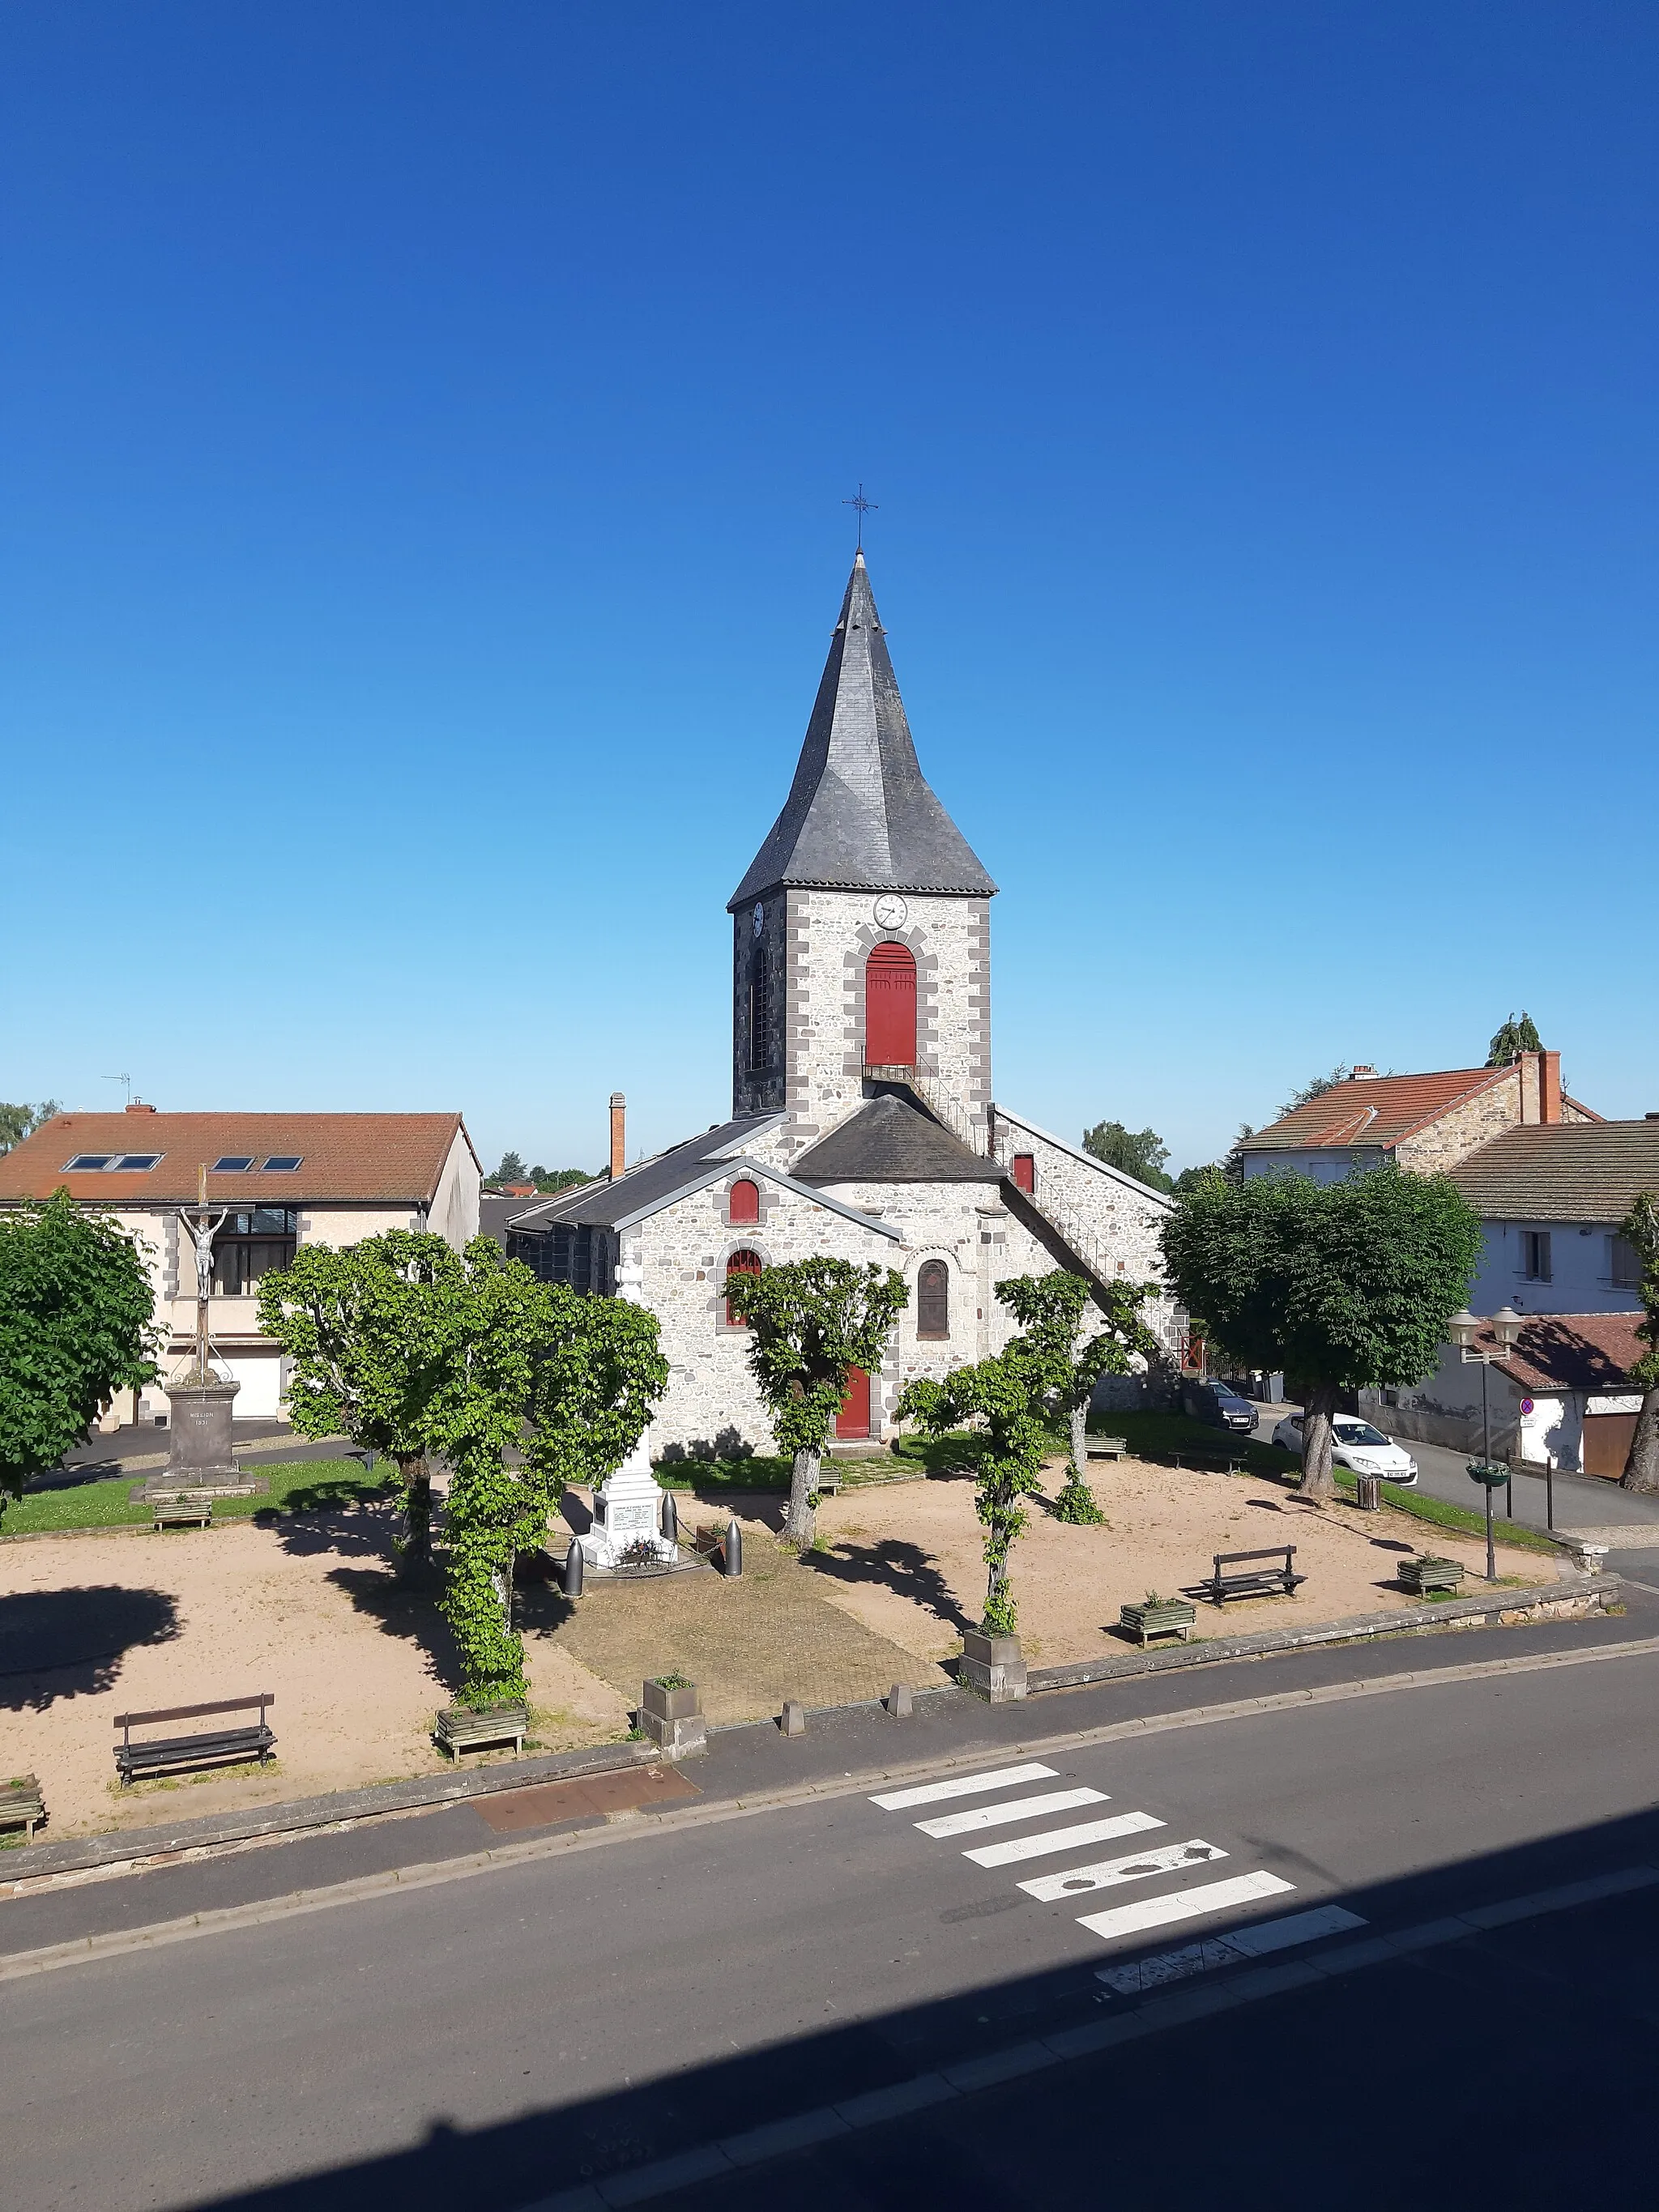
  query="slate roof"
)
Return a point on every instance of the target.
[
  {"x": 1563, "y": 1171},
  {"x": 860, "y": 816},
  {"x": 393, "y": 1159},
  {"x": 1374, "y": 1109},
  {"x": 603, "y": 1204},
  {"x": 889, "y": 1141},
  {"x": 1573, "y": 1352}
]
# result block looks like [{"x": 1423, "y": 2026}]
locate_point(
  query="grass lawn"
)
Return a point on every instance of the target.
[
  {"x": 300, "y": 1487},
  {"x": 907, "y": 1457}
]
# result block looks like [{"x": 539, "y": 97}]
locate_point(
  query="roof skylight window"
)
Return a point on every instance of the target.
[
  {"x": 233, "y": 1163},
  {"x": 282, "y": 1162},
  {"x": 111, "y": 1163},
  {"x": 136, "y": 1162},
  {"x": 84, "y": 1162}
]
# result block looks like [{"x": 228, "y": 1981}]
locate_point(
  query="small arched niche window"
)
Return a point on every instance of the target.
[
  {"x": 1026, "y": 1173},
  {"x": 889, "y": 1007},
  {"x": 933, "y": 1299},
  {"x": 741, "y": 1263},
  {"x": 743, "y": 1201}
]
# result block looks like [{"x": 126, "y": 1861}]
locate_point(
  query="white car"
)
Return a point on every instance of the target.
[{"x": 1356, "y": 1445}]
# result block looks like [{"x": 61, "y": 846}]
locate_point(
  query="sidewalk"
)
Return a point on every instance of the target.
[{"x": 755, "y": 1759}]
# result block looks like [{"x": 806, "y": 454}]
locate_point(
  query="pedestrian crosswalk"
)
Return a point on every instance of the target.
[{"x": 1168, "y": 1863}]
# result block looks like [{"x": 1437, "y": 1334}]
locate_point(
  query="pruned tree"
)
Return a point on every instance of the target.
[
  {"x": 1513, "y": 1038},
  {"x": 1137, "y": 1153},
  {"x": 1347, "y": 1285},
  {"x": 811, "y": 1322},
  {"x": 378, "y": 1337},
  {"x": 1641, "y": 1231},
  {"x": 1055, "y": 1312},
  {"x": 598, "y": 1374},
  {"x": 76, "y": 1325}
]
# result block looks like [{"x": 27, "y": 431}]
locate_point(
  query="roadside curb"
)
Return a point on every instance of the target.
[{"x": 1493, "y": 1608}]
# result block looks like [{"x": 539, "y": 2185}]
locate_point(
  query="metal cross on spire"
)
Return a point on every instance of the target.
[{"x": 864, "y": 507}]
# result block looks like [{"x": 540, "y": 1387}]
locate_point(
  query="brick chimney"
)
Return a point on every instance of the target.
[
  {"x": 138, "y": 1106},
  {"x": 1549, "y": 1086},
  {"x": 1527, "y": 1070},
  {"x": 618, "y": 1135}
]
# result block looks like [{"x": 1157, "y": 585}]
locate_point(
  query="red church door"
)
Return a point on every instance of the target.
[
  {"x": 853, "y": 1418},
  {"x": 889, "y": 1007}
]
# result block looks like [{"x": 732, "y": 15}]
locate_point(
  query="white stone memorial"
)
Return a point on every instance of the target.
[{"x": 628, "y": 1505}]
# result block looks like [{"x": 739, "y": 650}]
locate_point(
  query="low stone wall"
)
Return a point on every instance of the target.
[{"x": 1485, "y": 1608}]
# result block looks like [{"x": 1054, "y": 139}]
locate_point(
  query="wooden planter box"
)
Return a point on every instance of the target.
[
  {"x": 673, "y": 1720},
  {"x": 1426, "y": 1574},
  {"x": 459, "y": 1728},
  {"x": 1145, "y": 1622}
]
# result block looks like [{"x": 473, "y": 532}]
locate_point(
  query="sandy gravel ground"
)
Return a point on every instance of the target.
[
  {"x": 907, "y": 1561},
  {"x": 307, "y": 1608}
]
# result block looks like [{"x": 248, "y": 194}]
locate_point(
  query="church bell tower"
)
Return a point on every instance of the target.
[{"x": 861, "y": 935}]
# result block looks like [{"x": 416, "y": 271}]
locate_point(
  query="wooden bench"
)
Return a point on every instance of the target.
[
  {"x": 1253, "y": 1582},
  {"x": 459, "y": 1728},
  {"x": 1208, "y": 1462},
  {"x": 1107, "y": 1447},
  {"x": 181, "y": 1512},
  {"x": 21, "y": 1805},
  {"x": 207, "y": 1748}
]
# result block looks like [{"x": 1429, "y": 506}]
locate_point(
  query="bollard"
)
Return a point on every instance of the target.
[
  {"x": 573, "y": 1569},
  {"x": 733, "y": 1547},
  {"x": 794, "y": 1717},
  {"x": 898, "y": 1701},
  {"x": 670, "y": 1518}
]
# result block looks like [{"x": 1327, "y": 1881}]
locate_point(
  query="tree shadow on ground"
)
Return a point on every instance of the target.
[
  {"x": 334, "y": 1519},
  {"x": 905, "y": 1569},
  {"x": 70, "y": 1643},
  {"x": 410, "y": 1614}
]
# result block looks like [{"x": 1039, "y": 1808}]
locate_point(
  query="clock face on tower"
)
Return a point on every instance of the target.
[{"x": 890, "y": 911}]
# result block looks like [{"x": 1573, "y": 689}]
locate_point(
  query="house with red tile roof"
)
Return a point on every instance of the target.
[
  {"x": 1424, "y": 1122},
  {"x": 282, "y": 1179}
]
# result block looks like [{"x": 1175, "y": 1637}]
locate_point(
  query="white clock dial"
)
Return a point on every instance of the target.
[
  {"x": 760, "y": 919},
  {"x": 890, "y": 911}
]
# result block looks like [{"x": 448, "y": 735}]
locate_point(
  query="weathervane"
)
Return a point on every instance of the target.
[{"x": 864, "y": 507}]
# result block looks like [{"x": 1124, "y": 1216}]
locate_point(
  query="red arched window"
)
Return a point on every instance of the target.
[
  {"x": 741, "y": 1263},
  {"x": 1026, "y": 1173},
  {"x": 743, "y": 1201},
  {"x": 932, "y": 1298},
  {"x": 889, "y": 1007}
]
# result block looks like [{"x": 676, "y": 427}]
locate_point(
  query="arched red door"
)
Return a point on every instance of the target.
[
  {"x": 889, "y": 1007},
  {"x": 853, "y": 1418}
]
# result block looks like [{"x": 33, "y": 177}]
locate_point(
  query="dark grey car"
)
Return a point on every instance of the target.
[{"x": 1218, "y": 1405}]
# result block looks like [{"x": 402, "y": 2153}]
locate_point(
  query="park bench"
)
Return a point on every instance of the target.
[
  {"x": 181, "y": 1512},
  {"x": 1249, "y": 1581},
  {"x": 459, "y": 1728},
  {"x": 207, "y": 1748},
  {"x": 1107, "y": 1447},
  {"x": 21, "y": 1805},
  {"x": 1209, "y": 1462}
]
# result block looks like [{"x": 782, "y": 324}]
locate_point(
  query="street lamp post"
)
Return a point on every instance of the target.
[{"x": 1465, "y": 1329}]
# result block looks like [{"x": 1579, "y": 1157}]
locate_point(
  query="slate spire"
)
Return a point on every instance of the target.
[{"x": 860, "y": 815}]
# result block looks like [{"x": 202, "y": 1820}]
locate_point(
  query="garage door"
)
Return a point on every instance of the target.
[{"x": 1607, "y": 1443}]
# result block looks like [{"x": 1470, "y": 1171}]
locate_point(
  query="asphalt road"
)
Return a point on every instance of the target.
[{"x": 486, "y": 2041}]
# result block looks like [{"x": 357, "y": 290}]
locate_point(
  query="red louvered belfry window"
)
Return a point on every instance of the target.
[
  {"x": 1026, "y": 1173},
  {"x": 743, "y": 1201},
  {"x": 889, "y": 1007},
  {"x": 741, "y": 1263}
]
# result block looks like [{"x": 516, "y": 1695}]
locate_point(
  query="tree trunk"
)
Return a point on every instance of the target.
[
  {"x": 416, "y": 1559},
  {"x": 1642, "y": 1468},
  {"x": 1317, "y": 1481},
  {"x": 801, "y": 1526},
  {"x": 1079, "y": 1440}
]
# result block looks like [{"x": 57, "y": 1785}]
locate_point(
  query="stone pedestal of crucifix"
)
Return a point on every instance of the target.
[
  {"x": 199, "y": 1455},
  {"x": 628, "y": 1505}
]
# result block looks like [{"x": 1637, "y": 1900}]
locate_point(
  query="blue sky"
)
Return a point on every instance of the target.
[{"x": 424, "y": 431}]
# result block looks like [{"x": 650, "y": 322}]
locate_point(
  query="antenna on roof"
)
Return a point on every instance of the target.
[{"x": 127, "y": 1079}]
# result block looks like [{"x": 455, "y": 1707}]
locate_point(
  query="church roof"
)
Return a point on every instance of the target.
[
  {"x": 860, "y": 815},
  {"x": 889, "y": 1141}
]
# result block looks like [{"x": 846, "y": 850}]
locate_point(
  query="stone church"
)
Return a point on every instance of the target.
[{"x": 863, "y": 1121}]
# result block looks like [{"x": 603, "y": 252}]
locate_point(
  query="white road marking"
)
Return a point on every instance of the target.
[
  {"x": 1168, "y": 1858},
  {"x": 964, "y": 1785},
  {"x": 1183, "y": 1904},
  {"x": 1254, "y": 1942},
  {"x": 1062, "y": 1839},
  {"x": 1021, "y": 1809}
]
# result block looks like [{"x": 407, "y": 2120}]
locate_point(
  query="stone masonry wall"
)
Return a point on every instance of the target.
[
  {"x": 831, "y": 935},
  {"x": 1453, "y": 1135}
]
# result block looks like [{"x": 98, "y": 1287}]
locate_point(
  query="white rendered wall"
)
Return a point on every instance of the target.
[{"x": 1581, "y": 1277}]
